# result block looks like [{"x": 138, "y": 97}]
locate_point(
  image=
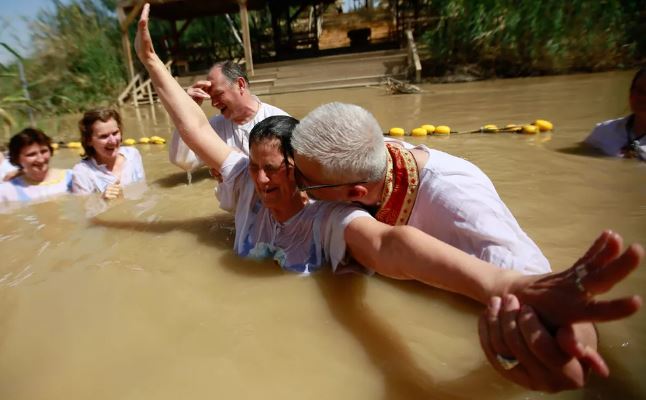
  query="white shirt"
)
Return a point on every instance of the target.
[
  {"x": 233, "y": 134},
  {"x": 458, "y": 204},
  {"x": 309, "y": 239},
  {"x": 6, "y": 167},
  {"x": 611, "y": 136},
  {"x": 91, "y": 177},
  {"x": 18, "y": 189}
]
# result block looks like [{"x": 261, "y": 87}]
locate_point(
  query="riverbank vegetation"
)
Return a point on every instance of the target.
[
  {"x": 75, "y": 61},
  {"x": 520, "y": 38}
]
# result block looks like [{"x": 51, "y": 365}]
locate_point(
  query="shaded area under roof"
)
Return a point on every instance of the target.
[{"x": 186, "y": 9}]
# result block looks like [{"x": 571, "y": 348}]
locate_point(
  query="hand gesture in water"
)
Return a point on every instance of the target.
[
  {"x": 113, "y": 191},
  {"x": 569, "y": 296},
  {"x": 519, "y": 346}
]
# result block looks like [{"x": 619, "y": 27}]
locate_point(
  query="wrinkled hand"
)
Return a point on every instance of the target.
[
  {"x": 143, "y": 42},
  {"x": 546, "y": 363},
  {"x": 113, "y": 191},
  {"x": 559, "y": 300},
  {"x": 199, "y": 91}
]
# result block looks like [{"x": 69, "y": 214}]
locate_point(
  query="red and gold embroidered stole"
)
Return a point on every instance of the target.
[{"x": 400, "y": 186}]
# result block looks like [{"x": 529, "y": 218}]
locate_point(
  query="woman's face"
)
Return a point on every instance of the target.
[
  {"x": 34, "y": 161},
  {"x": 273, "y": 179},
  {"x": 105, "y": 139}
]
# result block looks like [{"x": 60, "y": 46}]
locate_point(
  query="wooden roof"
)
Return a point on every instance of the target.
[{"x": 185, "y": 9}]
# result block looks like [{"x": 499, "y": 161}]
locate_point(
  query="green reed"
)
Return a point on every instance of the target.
[{"x": 510, "y": 38}]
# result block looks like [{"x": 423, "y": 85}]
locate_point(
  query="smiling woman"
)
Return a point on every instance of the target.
[
  {"x": 107, "y": 166},
  {"x": 30, "y": 150}
]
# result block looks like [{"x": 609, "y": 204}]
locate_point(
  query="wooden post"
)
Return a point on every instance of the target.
[
  {"x": 246, "y": 37},
  {"x": 413, "y": 56},
  {"x": 135, "y": 101},
  {"x": 125, "y": 42},
  {"x": 150, "y": 92}
]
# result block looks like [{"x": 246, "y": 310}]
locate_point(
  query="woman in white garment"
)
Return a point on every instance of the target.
[
  {"x": 107, "y": 166},
  {"x": 30, "y": 150},
  {"x": 626, "y": 136}
]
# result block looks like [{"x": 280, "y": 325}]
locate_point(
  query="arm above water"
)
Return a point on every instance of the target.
[
  {"x": 179, "y": 153},
  {"x": 546, "y": 363},
  {"x": 191, "y": 123},
  {"x": 404, "y": 252}
]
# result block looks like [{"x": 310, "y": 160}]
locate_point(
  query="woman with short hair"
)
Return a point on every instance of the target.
[{"x": 30, "y": 150}]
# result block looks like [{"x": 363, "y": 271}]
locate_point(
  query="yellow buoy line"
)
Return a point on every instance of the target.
[
  {"x": 125, "y": 142},
  {"x": 540, "y": 125}
]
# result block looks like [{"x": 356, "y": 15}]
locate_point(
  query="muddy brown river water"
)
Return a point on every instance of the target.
[{"x": 148, "y": 301}]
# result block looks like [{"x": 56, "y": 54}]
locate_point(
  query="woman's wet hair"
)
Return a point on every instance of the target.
[
  {"x": 24, "y": 138},
  {"x": 89, "y": 118},
  {"x": 640, "y": 74},
  {"x": 275, "y": 127}
]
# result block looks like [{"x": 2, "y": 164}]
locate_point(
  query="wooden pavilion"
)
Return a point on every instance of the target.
[{"x": 187, "y": 10}]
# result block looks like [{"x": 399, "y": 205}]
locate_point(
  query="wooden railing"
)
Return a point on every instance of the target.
[{"x": 139, "y": 90}]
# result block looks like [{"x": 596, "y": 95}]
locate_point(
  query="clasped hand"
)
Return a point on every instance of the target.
[{"x": 536, "y": 325}]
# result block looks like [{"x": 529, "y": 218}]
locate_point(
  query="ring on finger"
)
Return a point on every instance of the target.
[
  {"x": 505, "y": 362},
  {"x": 581, "y": 271}
]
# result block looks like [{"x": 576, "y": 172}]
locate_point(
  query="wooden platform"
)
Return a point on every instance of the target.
[{"x": 320, "y": 73}]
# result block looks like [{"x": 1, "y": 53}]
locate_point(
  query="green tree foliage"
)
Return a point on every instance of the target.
[
  {"x": 210, "y": 39},
  {"x": 77, "y": 60},
  {"x": 507, "y": 37},
  {"x": 12, "y": 100}
]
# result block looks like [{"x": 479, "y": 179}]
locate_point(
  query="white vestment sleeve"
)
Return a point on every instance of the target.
[{"x": 181, "y": 155}]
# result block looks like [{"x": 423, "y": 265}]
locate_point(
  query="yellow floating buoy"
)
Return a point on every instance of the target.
[
  {"x": 418, "y": 132},
  {"x": 489, "y": 128},
  {"x": 144, "y": 140},
  {"x": 429, "y": 128},
  {"x": 543, "y": 125},
  {"x": 442, "y": 130},
  {"x": 530, "y": 129},
  {"x": 157, "y": 140},
  {"x": 74, "y": 145},
  {"x": 396, "y": 132},
  {"x": 129, "y": 142}
]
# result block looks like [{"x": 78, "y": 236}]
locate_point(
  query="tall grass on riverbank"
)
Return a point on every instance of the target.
[
  {"x": 77, "y": 59},
  {"x": 512, "y": 38}
]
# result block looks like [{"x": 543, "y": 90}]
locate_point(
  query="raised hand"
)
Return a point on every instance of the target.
[
  {"x": 143, "y": 42},
  {"x": 199, "y": 91},
  {"x": 567, "y": 297}
]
